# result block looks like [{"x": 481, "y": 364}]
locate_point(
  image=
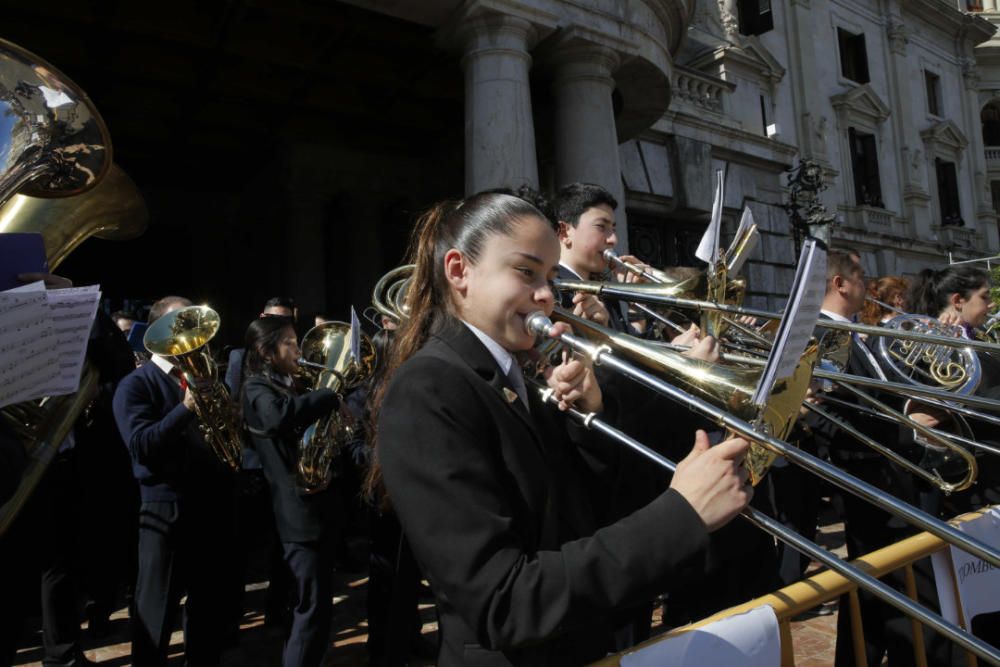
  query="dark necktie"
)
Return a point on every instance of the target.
[{"x": 517, "y": 382}]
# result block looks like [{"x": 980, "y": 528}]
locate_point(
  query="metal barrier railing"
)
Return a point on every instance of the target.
[{"x": 792, "y": 600}]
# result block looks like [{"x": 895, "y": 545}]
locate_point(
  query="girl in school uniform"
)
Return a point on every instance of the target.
[
  {"x": 494, "y": 490},
  {"x": 276, "y": 413}
]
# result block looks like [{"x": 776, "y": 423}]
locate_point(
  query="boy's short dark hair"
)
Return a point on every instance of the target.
[
  {"x": 572, "y": 200},
  {"x": 157, "y": 310},
  {"x": 280, "y": 302}
]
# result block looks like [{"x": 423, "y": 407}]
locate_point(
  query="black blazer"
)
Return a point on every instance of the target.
[
  {"x": 276, "y": 418},
  {"x": 842, "y": 445},
  {"x": 495, "y": 504}
]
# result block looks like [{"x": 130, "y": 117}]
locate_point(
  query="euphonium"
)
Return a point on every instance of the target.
[
  {"x": 182, "y": 336},
  {"x": 328, "y": 362}
]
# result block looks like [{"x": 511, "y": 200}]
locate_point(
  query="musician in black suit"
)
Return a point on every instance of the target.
[
  {"x": 186, "y": 514},
  {"x": 866, "y": 528},
  {"x": 276, "y": 415},
  {"x": 487, "y": 485}
]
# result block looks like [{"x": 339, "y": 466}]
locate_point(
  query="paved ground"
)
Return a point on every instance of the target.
[{"x": 259, "y": 645}]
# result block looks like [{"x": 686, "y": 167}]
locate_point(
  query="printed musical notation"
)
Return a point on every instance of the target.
[{"x": 39, "y": 357}]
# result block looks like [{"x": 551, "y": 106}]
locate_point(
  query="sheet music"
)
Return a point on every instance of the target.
[
  {"x": 746, "y": 221},
  {"x": 747, "y": 228},
  {"x": 73, "y": 311},
  {"x": 797, "y": 325},
  {"x": 355, "y": 335},
  {"x": 708, "y": 249},
  {"x": 28, "y": 356},
  {"x": 43, "y": 340}
]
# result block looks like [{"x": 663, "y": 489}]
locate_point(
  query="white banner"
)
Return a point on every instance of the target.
[
  {"x": 751, "y": 639},
  {"x": 965, "y": 582}
]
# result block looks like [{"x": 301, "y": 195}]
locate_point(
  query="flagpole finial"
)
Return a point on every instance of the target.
[{"x": 804, "y": 208}]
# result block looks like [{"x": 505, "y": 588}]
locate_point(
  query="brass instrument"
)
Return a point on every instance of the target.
[
  {"x": 778, "y": 530},
  {"x": 328, "y": 363},
  {"x": 57, "y": 146},
  {"x": 704, "y": 284},
  {"x": 604, "y": 354},
  {"x": 389, "y": 293},
  {"x": 727, "y": 387},
  {"x": 112, "y": 210},
  {"x": 182, "y": 336},
  {"x": 955, "y": 369}
]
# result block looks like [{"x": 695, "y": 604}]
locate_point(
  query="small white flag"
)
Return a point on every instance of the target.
[
  {"x": 355, "y": 335},
  {"x": 708, "y": 249}
]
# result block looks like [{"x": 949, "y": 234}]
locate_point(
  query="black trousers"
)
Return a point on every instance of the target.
[
  {"x": 393, "y": 590},
  {"x": 866, "y": 529},
  {"x": 183, "y": 548},
  {"x": 311, "y": 565}
]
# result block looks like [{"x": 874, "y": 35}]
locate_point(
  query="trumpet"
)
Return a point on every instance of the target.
[{"x": 182, "y": 336}]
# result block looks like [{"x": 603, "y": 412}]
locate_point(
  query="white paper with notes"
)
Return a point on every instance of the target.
[{"x": 43, "y": 340}]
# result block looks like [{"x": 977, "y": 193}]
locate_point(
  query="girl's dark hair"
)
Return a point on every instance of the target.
[
  {"x": 261, "y": 338},
  {"x": 933, "y": 288},
  {"x": 462, "y": 225}
]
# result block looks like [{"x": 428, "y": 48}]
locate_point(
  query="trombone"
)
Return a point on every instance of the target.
[
  {"x": 603, "y": 354},
  {"x": 776, "y": 529}
]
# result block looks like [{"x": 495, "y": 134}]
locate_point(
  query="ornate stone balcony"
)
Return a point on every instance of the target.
[
  {"x": 700, "y": 92},
  {"x": 993, "y": 157}
]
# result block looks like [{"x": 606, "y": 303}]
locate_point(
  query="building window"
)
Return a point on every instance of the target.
[
  {"x": 933, "y": 84},
  {"x": 991, "y": 124},
  {"x": 864, "y": 163},
  {"x": 853, "y": 56},
  {"x": 947, "y": 182},
  {"x": 755, "y": 16}
]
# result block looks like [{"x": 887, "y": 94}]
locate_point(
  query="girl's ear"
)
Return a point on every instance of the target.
[
  {"x": 956, "y": 301},
  {"x": 456, "y": 270}
]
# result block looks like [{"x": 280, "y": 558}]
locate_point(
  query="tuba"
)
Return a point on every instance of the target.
[
  {"x": 182, "y": 336},
  {"x": 328, "y": 363},
  {"x": 57, "y": 146}
]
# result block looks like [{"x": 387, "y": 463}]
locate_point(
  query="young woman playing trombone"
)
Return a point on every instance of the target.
[{"x": 487, "y": 481}]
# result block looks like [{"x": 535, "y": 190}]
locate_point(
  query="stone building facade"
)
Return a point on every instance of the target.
[{"x": 651, "y": 97}]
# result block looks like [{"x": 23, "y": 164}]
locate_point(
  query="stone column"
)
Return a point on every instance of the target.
[
  {"x": 499, "y": 128},
  {"x": 586, "y": 139},
  {"x": 982, "y": 198}
]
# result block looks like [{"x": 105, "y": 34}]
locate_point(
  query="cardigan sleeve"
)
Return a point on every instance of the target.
[{"x": 145, "y": 430}]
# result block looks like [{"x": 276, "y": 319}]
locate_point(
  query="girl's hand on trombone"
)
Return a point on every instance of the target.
[
  {"x": 572, "y": 381},
  {"x": 589, "y": 307},
  {"x": 713, "y": 480}
]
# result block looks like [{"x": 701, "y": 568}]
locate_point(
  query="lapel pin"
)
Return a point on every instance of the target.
[{"x": 510, "y": 394}]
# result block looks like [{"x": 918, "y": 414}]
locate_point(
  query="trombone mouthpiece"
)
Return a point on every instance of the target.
[
  {"x": 538, "y": 323},
  {"x": 609, "y": 255}
]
